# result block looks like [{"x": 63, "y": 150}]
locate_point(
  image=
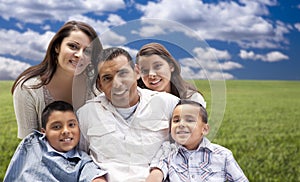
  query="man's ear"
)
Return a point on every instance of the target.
[
  {"x": 205, "y": 129},
  {"x": 43, "y": 130},
  {"x": 137, "y": 71}
]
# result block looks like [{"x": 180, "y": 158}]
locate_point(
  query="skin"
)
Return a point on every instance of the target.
[
  {"x": 187, "y": 127},
  {"x": 156, "y": 73},
  {"x": 73, "y": 53},
  {"x": 62, "y": 130},
  {"x": 118, "y": 81}
]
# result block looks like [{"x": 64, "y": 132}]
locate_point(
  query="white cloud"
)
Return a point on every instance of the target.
[
  {"x": 10, "y": 69},
  {"x": 29, "y": 45},
  {"x": 297, "y": 26},
  {"x": 189, "y": 74},
  {"x": 243, "y": 22},
  {"x": 38, "y": 11},
  {"x": 207, "y": 65},
  {"x": 274, "y": 56},
  {"x": 150, "y": 31}
]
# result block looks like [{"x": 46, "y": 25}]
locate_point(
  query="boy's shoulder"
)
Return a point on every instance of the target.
[
  {"x": 34, "y": 137},
  {"x": 219, "y": 149}
]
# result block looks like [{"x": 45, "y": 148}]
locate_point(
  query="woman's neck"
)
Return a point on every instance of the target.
[{"x": 60, "y": 87}]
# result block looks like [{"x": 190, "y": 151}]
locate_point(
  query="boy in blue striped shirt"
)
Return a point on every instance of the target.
[
  {"x": 53, "y": 154},
  {"x": 193, "y": 157}
]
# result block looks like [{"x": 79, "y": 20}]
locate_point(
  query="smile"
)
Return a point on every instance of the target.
[
  {"x": 74, "y": 63},
  {"x": 182, "y": 132},
  {"x": 66, "y": 140},
  {"x": 155, "y": 82},
  {"x": 120, "y": 92}
]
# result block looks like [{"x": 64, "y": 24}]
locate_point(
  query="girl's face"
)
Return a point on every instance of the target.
[
  {"x": 74, "y": 53},
  {"x": 156, "y": 72}
]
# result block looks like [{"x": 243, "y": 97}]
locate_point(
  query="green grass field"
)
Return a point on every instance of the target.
[{"x": 260, "y": 127}]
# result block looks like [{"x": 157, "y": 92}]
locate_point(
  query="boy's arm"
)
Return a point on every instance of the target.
[
  {"x": 233, "y": 170},
  {"x": 155, "y": 175},
  {"x": 159, "y": 163},
  {"x": 90, "y": 171}
]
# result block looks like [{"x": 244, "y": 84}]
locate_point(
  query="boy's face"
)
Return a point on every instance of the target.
[
  {"x": 187, "y": 127},
  {"x": 62, "y": 130},
  {"x": 118, "y": 81}
]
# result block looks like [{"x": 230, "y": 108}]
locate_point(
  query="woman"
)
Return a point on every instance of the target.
[
  {"x": 67, "y": 64},
  {"x": 161, "y": 72}
]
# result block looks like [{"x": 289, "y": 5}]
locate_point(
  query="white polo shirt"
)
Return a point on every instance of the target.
[{"x": 123, "y": 148}]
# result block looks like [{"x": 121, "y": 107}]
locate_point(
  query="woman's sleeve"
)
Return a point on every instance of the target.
[{"x": 26, "y": 111}]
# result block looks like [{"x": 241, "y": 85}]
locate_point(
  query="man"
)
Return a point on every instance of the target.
[{"x": 123, "y": 128}]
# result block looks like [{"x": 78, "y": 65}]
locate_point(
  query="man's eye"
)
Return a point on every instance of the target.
[
  {"x": 106, "y": 78},
  {"x": 176, "y": 120}
]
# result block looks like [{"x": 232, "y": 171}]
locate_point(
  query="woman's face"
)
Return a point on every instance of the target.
[
  {"x": 74, "y": 53},
  {"x": 156, "y": 73}
]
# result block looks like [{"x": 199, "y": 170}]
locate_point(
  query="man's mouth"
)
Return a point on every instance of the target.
[{"x": 119, "y": 92}]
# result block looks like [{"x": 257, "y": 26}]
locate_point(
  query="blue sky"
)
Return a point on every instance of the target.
[{"x": 240, "y": 39}]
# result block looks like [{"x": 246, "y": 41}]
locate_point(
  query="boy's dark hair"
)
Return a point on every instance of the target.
[
  {"x": 55, "y": 106},
  {"x": 203, "y": 112}
]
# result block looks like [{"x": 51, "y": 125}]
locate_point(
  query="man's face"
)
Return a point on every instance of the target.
[{"x": 118, "y": 81}]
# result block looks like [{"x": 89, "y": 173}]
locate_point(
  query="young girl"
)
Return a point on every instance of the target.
[{"x": 161, "y": 72}]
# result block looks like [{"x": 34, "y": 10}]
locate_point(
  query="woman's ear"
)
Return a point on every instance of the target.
[
  {"x": 172, "y": 68},
  {"x": 57, "y": 49},
  {"x": 43, "y": 130}
]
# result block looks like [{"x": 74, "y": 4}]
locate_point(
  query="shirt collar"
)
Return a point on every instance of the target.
[{"x": 205, "y": 144}]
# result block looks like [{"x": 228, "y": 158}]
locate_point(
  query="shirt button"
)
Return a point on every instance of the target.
[
  {"x": 193, "y": 176},
  {"x": 191, "y": 158}
]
